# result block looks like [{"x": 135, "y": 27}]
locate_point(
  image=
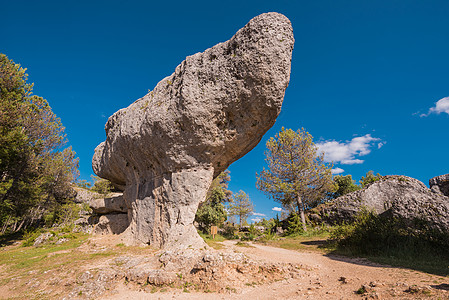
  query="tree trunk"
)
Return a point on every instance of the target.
[
  {"x": 5, "y": 226},
  {"x": 301, "y": 211},
  {"x": 21, "y": 224}
]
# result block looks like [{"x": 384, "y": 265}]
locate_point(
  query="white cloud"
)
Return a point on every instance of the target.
[
  {"x": 441, "y": 106},
  {"x": 276, "y": 209},
  {"x": 337, "y": 171},
  {"x": 256, "y": 219},
  {"x": 346, "y": 152},
  {"x": 258, "y": 214}
]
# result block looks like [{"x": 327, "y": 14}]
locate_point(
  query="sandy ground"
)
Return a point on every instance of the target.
[{"x": 323, "y": 277}]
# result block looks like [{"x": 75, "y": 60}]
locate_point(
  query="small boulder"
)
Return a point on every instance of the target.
[{"x": 43, "y": 238}]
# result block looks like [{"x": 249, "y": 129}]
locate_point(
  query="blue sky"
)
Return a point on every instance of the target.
[{"x": 366, "y": 75}]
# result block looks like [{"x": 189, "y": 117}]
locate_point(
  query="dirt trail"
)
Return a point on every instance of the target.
[{"x": 322, "y": 277}]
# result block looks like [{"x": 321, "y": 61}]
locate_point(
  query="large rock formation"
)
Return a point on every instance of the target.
[
  {"x": 440, "y": 184},
  {"x": 165, "y": 149},
  {"x": 393, "y": 196}
]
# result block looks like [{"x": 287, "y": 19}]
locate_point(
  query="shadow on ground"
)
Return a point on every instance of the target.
[
  {"x": 438, "y": 265},
  {"x": 8, "y": 239}
]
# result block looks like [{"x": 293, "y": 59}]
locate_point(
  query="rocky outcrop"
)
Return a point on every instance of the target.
[
  {"x": 166, "y": 148},
  {"x": 393, "y": 196},
  {"x": 189, "y": 269},
  {"x": 114, "y": 203},
  {"x": 440, "y": 184},
  {"x": 84, "y": 195},
  {"x": 110, "y": 214},
  {"x": 111, "y": 224}
]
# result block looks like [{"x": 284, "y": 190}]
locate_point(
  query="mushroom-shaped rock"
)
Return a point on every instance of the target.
[{"x": 166, "y": 148}]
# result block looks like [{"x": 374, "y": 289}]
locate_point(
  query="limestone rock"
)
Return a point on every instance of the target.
[
  {"x": 398, "y": 196},
  {"x": 440, "y": 184},
  {"x": 112, "y": 204},
  {"x": 112, "y": 224},
  {"x": 166, "y": 147},
  {"x": 43, "y": 238},
  {"x": 84, "y": 196}
]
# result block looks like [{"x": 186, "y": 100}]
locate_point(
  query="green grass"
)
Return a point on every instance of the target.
[
  {"x": 311, "y": 240},
  {"x": 22, "y": 259},
  {"x": 213, "y": 242},
  {"x": 244, "y": 244}
]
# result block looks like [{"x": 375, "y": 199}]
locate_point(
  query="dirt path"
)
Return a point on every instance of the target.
[{"x": 322, "y": 277}]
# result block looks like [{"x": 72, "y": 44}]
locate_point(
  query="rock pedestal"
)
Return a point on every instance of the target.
[{"x": 165, "y": 149}]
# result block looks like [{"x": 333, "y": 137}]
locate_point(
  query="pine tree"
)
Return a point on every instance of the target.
[
  {"x": 241, "y": 206},
  {"x": 296, "y": 171},
  {"x": 35, "y": 172}
]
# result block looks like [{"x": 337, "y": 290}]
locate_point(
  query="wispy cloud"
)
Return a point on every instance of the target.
[
  {"x": 346, "y": 153},
  {"x": 256, "y": 219},
  {"x": 276, "y": 209},
  {"x": 441, "y": 106},
  {"x": 336, "y": 171},
  {"x": 258, "y": 214}
]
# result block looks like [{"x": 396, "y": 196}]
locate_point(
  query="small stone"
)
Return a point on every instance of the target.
[{"x": 343, "y": 280}]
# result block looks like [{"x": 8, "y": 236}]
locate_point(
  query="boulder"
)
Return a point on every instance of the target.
[
  {"x": 113, "y": 204},
  {"x": 84, "y": 195},
  {"x": 111, "y": 224},
  {"x": 166, "y": 147},
  {"x": 395, "y": 196},
  {"x": 440, "y": 184}
]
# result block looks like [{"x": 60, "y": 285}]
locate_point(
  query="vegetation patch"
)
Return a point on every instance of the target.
[{"x": 393, "y": 242}]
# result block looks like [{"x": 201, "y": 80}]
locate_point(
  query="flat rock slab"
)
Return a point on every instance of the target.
[{"x": 113, "y": 204}]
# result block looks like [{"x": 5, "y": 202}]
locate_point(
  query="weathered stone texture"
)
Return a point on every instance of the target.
[
  {"x": 111, "y": 224},
  {"x": 166, "y": 147},
  {"x": 398, "y": 196},
  {"x": 440, "y": 184},
  {"x": 112, "y": 204}
]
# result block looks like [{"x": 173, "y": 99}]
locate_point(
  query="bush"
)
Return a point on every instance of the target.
[
  {"x": 248, "y": 237},
  {"x": 30, "y": 236},
  {"x": 62, "y": 214},
  {"x": 294, "y": 224},
  {"x": 229, "y": 231},
  {"x": 372, "y": 234},
  {"x": 102, "y": 186}
]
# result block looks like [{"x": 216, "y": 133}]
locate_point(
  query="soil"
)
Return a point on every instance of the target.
[{"x": 321, "y": 276}]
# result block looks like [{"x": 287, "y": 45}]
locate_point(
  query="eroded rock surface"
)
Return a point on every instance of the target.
[
  {"x": 397, "y": 196},
  {"x": 165, "y": 148},
  {"x": 440, "y": 184},
  {"x": 112, "y": 204}
]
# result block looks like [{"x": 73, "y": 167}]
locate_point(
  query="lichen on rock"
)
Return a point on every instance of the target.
[{"x": 165, "y": 148}]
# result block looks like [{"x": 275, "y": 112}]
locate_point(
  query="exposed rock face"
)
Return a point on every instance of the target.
[
  {"x": 112, "y": 204},
  {"x": 111, "y": 224},
  {"x": 165, "y": 148},
  {"x": 440, "y": 184},
  {"x": 399, "y": 196},
  {"x": 84, "y": 196}
]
